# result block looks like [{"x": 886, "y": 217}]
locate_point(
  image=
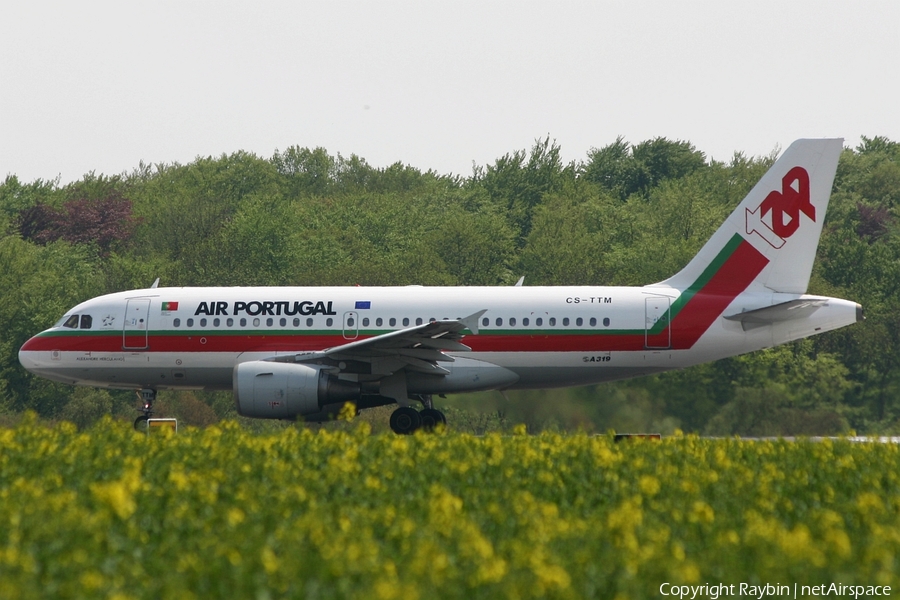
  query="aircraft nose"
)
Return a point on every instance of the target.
[{"x": 28, "y": 355}]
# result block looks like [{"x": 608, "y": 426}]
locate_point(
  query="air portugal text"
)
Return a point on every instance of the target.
[{"x": 255, "y": 308}]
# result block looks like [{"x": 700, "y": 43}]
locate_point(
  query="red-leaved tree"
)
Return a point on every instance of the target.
[{"x": 102, "y": 221}]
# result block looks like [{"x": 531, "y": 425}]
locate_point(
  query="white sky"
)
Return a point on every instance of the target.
[{"x": 100, "y": 86}]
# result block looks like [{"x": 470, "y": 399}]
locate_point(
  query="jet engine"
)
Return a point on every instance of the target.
[{"x": 273, "y": 390}]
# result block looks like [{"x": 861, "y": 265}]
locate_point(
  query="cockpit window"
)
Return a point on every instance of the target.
[
  {"x": 86, "y": 321},
  {"x": 71, "y": 322}
]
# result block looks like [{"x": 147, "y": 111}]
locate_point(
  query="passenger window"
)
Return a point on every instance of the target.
[
  {"x": 579, "y": 321},
  {"x": 485, "y": 322},
  {"x": 202, "y": 322},
  {"x": 329, "y": 322},
  {"x": 177, "y": 322},
  {"x": 365, "y": 321},
  {"x": 525, "y": 322},
  {"x": 405, "y": 321},
  {"x": 243, "y": 322},
  {"x": 71, "y": 322},
  {"x": 593, "y": 321},
  {"x": 350, "y": 322},
  {"x": 419, "y": 321},
  {"x": 393, "y": 322},
  {"x": 86, "y": 321},
  {"x": 378, "y": 322},
  {"x": 499, "y": 321},
  {"x": 282, "y": 322},
  {"x": 217, "y": 322},
  {"x": 552, "y": 321},
  {"x": 229, "y": 322},
  {"x": 309, "y": 322},
  {"x": 565, "y": 321},
  {"x": 296, "y": 322},
  {"x": 512, "y": 321},
  {"x": 606, "y": 321},
  {"x": 256, "y": 322},
  {"x": 539, "y": 321},
  {"x": 190, "y": 322},
  {"x": 270, "y": 321}
]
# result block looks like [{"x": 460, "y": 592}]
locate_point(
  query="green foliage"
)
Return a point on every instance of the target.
[
  {"x": 16, "y": 196},
  {"x": 183, "y": 207},
  {"x": 316, "y": 173},
  {"x": 624, "y": 169},
  {"x": 573, "y": 239},
  {"x": 628, "y": 214},
  {"x": 764, "y": 412},
  {"x": 307, "y": 172},
  {"x": 37, "y": 285},
  {"x": 86, "y": 406},
  {"x": 518, "y": 185},
  {"x": 188, "y": 407}
]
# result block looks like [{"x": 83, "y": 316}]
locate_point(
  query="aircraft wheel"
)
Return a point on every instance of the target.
[
  {"x": 405, "y": 420},
  {"x": 431, "y": 418},
  {"x": 140, "y": 424}
]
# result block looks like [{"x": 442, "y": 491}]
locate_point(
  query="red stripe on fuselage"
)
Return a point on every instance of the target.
[
  {"x": 742, "y": 267},
  {"x": 300, "y": 342}
]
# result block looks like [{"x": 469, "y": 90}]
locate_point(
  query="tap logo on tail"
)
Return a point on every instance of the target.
[{"x": 778, "y": 216}]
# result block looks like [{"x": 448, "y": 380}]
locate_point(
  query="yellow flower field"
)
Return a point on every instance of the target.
[{"x": 225, "y": 513}]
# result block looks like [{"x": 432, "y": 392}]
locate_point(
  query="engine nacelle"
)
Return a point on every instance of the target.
[{"x": 273, "y": 390}]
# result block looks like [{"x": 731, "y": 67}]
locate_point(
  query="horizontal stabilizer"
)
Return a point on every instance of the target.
[{"x": 786, "y": 311}]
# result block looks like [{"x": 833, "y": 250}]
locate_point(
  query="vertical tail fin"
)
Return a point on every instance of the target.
[{"x": 769, "y": 242}]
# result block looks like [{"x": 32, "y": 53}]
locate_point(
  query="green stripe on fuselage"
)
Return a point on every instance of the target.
[{"x": 698, "y": 285}]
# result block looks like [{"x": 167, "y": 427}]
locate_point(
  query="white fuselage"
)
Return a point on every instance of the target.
[{"x": 183, "y": 338}]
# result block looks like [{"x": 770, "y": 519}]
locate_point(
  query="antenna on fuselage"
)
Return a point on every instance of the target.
[
  {"x": 520, "y": 281},
  {"x": 155, "y": 283}
]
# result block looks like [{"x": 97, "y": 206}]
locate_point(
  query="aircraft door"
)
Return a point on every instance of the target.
[
  {"x": 136, "y": 325},
  {"x": 351, "y": 325},
  {"x": 657, "y": 333}
]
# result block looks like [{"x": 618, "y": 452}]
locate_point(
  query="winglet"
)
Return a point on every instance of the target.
[{"x": 471, "y": 322}]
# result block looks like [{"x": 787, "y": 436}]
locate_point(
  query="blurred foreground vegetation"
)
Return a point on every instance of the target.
[
  {"x": 627, "y": 214},
  {"x": 222, "y": 512}
]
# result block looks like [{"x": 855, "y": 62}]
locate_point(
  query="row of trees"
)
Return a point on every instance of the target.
[{"x": 628, "y": 214}]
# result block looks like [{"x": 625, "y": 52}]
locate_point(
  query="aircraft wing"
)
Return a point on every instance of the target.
[
  {"x": 418, "y": 348},
  {"x": 785, "y": 311}
]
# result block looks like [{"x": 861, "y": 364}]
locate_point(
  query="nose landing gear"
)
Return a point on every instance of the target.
[{"x": 147, "y": 396}]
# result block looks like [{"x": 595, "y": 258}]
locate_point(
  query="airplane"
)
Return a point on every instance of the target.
[{"x": 303, "y": 352}]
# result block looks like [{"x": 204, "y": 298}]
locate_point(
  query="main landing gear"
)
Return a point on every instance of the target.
[
  {"x": 147, "y": 396},
  {"x": 406, "y": 419}
]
